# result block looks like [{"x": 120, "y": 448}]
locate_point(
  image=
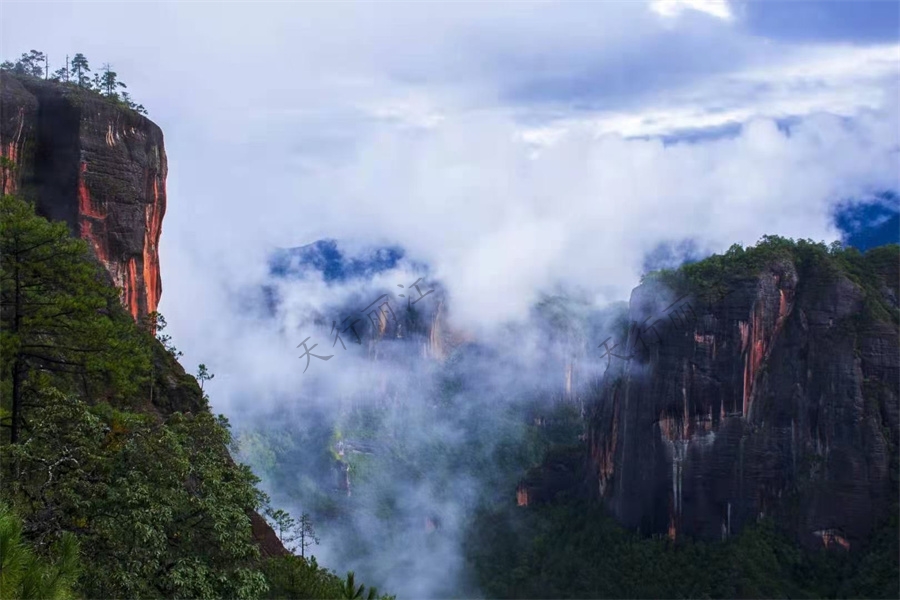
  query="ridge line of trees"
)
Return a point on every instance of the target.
[{"x": 75, "y": 72}]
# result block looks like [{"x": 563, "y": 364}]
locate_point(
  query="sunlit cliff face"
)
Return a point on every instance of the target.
[
  {"x": 136, "y": 275},
  {"x": 99, "y": 167}
]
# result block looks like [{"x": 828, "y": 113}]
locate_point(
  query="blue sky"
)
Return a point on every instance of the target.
[{"x": 861, "y": 21}]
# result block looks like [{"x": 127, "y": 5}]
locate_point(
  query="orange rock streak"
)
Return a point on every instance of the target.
[
  {"x": 11, "y": 152},
  {"x": 521, "y": 496},
  {"x": 603, "y": 451},
  {"x": 153, "y": 229},
  {"x": 131, "y": 287},
  {"x": 88, "y": 215}
]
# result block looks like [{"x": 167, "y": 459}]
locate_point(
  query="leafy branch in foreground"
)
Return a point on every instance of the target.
[{"x": 26, "y": 575}]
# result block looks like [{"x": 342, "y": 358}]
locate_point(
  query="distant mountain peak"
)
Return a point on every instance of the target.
[{"x": 335, "y": 263}]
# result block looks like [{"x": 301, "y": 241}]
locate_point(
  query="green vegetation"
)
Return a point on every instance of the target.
[
  {"x": 26, "y": 575},
  {"x": 75, "y": 73},
  {"x": 576, "y": 550},
  {"x": 715, "y": 276},
  {"x": 297, "y": 577},
  {"x": 293, "y": 533},
  {"x": 97, "y": 456},
  {"x": 58, "y": 329}
]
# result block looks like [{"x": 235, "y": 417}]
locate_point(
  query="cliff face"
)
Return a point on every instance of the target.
[
  {"x": 99, "y": 167},
  {"x": 781, "y": 399}
]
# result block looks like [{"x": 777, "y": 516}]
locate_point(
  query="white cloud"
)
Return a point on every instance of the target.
[
  {"x": 842, "y": 80},
  {"x": 673, "y": 8}
]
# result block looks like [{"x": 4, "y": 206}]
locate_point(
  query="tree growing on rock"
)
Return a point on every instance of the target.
[
  {"x": 110, "y": 83},
  {"x": 139, "y": 108},
  {"x": 62, "y": 73},
  {"x": 306, "y": 535},
  {"x": 203, "y": 375},
  {"x": 81, "y": 68},
  {"x": 290, "y": 530}
]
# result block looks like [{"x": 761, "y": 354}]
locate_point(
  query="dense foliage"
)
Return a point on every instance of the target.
[
  {"x": 573, "y": 549},
  {"x": 92, "y": 459},
  {"x": 26, "y": 575},
  {"x": 714, "y": 276}
]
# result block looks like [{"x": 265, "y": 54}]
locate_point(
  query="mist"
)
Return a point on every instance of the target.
[
  {"x": 532, "y": 250},
  {"x": 394, "y": 441}
]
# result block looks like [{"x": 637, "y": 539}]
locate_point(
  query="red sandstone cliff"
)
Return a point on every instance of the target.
[{"x": 96, "y": 165}]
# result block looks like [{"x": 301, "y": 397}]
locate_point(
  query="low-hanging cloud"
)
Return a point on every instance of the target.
[{"x": 501, "y": 221}]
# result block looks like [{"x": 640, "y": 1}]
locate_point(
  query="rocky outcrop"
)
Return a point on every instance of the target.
[
  {"x": 781, "y": 400},
  {"x": 94, "y": 164},
  {"x": 266, "y": 539}
]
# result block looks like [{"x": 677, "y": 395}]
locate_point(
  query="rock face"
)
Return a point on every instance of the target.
[
  {"x": 781, "y": 400},
  {"x": 96, "y": 165}
]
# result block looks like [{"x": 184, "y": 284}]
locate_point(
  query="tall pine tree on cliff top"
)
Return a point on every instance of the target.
[{"x": 80, "y": 68}]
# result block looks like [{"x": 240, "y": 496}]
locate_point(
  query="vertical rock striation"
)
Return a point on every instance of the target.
[
  {"x": 779, "y": 400},
  {"x": 96, "y": 165}
]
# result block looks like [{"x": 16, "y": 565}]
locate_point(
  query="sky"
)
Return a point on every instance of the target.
[{"x": 516, "y": 149}]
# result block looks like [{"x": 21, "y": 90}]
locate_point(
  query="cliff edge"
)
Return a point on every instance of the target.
[
  {"x": 95, "y": 164},
  {"x": 778, "y": 398}
]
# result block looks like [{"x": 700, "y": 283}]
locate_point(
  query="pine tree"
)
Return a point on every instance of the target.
[
  {"x": 306, "y": 535},
  {"x": 24, "y": 574},
  {"x": 203, "y": 375},
  {"x": 80, "y": 68},
  {"x": 157, "y": 323},
  {"x": 350, "y": 590},
  {"x": 31, "y": 63},
  {"x": 139, "y": 108},
  {"x": 109, "y": 82},
  {"x": 55, "y": 314},
  {"x": 284, "y": 525}
]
